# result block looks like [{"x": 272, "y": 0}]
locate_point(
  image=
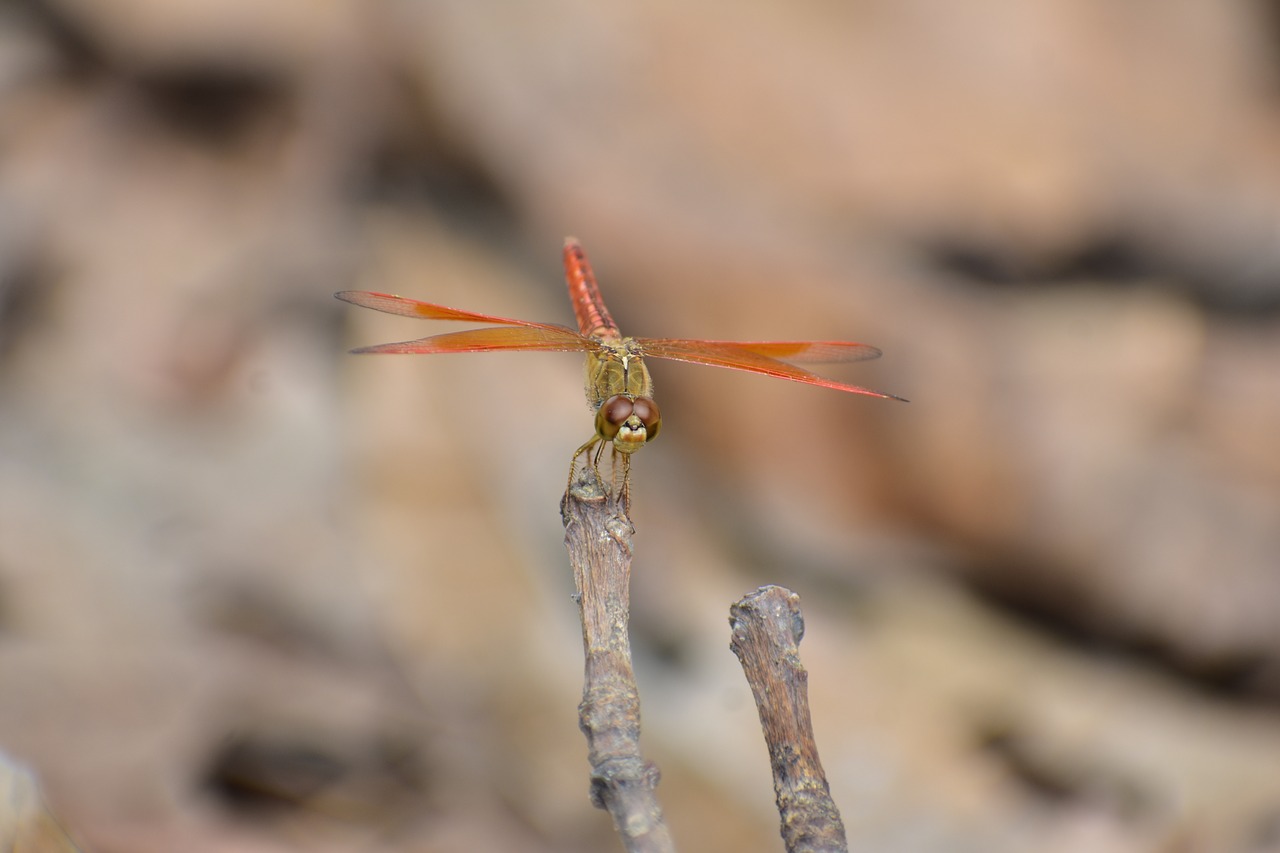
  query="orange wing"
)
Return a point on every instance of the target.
[
  {"x": 492, "y": 340},
  {"x": 763, "y": 357},
  {"x": 526, "y": 335},
  {"x": 799, "y": 352},
  {"x": 405, "y": 307}
]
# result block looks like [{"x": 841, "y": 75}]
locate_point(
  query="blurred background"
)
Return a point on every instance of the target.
[{"x": 257, "y": 594}]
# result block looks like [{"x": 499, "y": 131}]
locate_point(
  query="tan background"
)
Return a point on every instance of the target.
[{"x": 256, "y": 594}]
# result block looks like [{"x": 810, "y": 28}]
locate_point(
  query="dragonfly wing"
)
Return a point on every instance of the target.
[
  {"x": 758, "y": 357},
  {"x": 502, "y": 338},
  {"x": 405, "y": 307},
  {"x": 799, "y": 352}
]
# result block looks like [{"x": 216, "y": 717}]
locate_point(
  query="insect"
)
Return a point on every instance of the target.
[{"x": 618, "y": 385}]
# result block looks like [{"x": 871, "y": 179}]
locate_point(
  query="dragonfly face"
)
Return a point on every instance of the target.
[{"x": 629, "y": 422}]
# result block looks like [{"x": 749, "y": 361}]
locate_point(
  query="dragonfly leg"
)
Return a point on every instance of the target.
[
  {"x": 623, "y": 490},
  {"x": 591, "y": 453},
  {"x": 626, "y": 483},
  {"x": 585, "y": 452}
]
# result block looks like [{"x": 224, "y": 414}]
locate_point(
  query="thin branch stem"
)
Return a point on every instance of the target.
[
  {"x": 767, "y": 629},
  {"x": 598, "y": 536}
]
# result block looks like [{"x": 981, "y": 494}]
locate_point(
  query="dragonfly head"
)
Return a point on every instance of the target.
[{"x": 629, "y": 422}]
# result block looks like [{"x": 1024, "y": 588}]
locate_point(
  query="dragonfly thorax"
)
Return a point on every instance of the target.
[{"x": 617, "y": 368}]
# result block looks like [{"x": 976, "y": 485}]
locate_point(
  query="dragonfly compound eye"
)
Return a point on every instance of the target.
[
  {"x": 612, "y": 414},
  {"x": 647, "y": 411}
]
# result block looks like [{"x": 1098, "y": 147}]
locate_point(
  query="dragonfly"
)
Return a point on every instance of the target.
[{"x": 619, "y": 388}]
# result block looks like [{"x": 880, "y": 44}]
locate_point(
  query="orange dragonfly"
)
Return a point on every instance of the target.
[{"x": 618, "y": 385}]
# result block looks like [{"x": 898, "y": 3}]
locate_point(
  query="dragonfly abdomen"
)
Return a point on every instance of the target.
[{"x": 594, "y": 320}]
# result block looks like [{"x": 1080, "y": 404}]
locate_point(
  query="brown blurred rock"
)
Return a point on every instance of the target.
[{"x": 236, "y": 565}]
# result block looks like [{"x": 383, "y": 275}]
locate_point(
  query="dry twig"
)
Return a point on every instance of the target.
[
  {"x": 598, "y": 535},
  {"x": 767, "y": 628}
]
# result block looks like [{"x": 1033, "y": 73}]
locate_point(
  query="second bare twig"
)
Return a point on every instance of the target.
[{"x": 767, "y": 628}]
